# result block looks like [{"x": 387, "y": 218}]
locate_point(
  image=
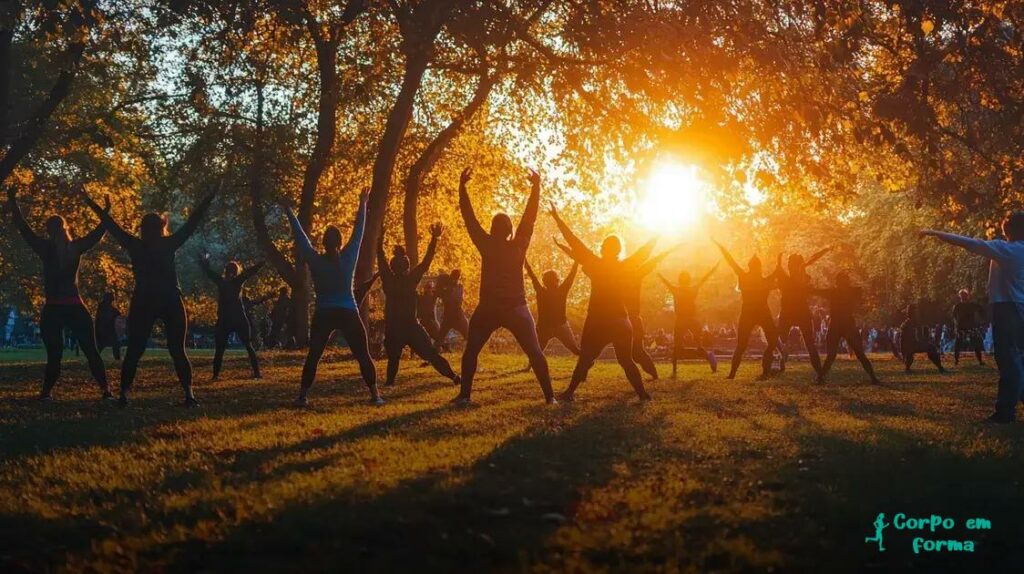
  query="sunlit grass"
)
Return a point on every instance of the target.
[{"x": 713, "y": 474}]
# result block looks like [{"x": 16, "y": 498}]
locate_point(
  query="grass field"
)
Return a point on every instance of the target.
[{"x": 713, "y": 475}]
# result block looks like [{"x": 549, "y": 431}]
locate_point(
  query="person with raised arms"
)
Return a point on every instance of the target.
[
  {"x": 634, "y": 289},
  {"x": 795, "y": 310},
  {"x": 401, "y": 329},
  {"x": 1006, "y": 295},
  {"x": 684, "y": 302},
  {"x": 607, "y": 321},
  {"x": 552, "y": 321},
  {"x": 754, "y": 288},
  {"x": 61, "y": 255},
  {"x": 157, "y": 295},
  {"x": 502, "y": 290},
  {"x": 232, "y": 315},
  {"x": 336, "y": 308},
  {"x": 844, "y": 299},
  {"x": 453, "y": 317}
]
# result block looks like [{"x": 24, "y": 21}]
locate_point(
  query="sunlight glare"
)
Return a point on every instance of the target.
[{"x": 675, "y": 198}]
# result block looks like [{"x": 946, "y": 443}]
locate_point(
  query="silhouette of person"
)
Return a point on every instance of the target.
[
  {"x": 754, "y": 312},
  {"x": 843, "y": 299},
  {"x": 967, "y": 327},
  {"x": 914, "y": 339},
  {"x": 278, "y": 317},
  {"x": 401, "y": 328},
  {"x": 502, "y": 292},
  {"x": 336, "y": 308},
  {"x": 795, "y": 311},
  {"x": 552, "y": 320},
  {"x": 106, "y": 326},
  {"x": 607, "y": 321},
  {"x": 232, "y": 314},
  {"x": 684, "y": 302},
  {"x": 453, "y": 317},
  {"x": 880, "y": 525},
  {"x": 157, "y": 295},
  {"x": 61, "y": 256},
  {"x": 634, "y": 288},
  {"x": 426, "y": 304},
  {"x": 1006, "y": 296}
]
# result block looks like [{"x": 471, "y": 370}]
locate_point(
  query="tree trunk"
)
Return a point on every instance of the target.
[
  {"x": 387, "y": 153},
  {"x": 429, "y": 157}
]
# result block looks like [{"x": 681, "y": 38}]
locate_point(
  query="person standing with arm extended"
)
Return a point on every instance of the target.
[
  {"x": 684, "y": 302},
  {"x": 231, "y": 313},
  {"x": 336, "y": 308},
  {"x": 795, "y": 309},
  {"x": 502, "y": 292},
  {"x": 61, "y": 256},
  {"x": 1006, "y": 294},
  {"x": 156, "y": 295}
]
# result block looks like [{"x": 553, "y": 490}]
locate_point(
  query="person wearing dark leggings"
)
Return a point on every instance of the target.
[
  {"x": 754, "y": 289},
  {"x": 684, "y": 301},
  {"x": 552, "y": 320},
  {"x": 61, "y": 256},
  {"x": 336, "y": 308},
  {"x": 914, "y": 339},
  {"x": 106, "y": 326},
  {"x": 278, "y": 317},
  {"x": 502, "y": 290},
  {"x": 607, "y": 321},
  {"x": 453, "y": 317},
  {"x": 634, "y": 288},
  {"x": 843, "y": 301},
  {"x": 966, "y": 327},
  {"x": 156, "y": 295},
  {"x": 796, "y": 310},
  {"x": 231, "y": 313},
  {"x": 401, "y": 329},
  {"x": 426, "y": 305}
]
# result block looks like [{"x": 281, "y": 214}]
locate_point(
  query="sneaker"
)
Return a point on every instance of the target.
[
  {"x": 45, "y": 397},
  {"x": 301, "y": 402},
  {"x": 377, "y": 401},
  {"x": 567, "y": 397},
  {"x": 461, "y": 400},
  {"x": 645, "y": 398},
  {"x": 551, "y": 400},
  {"x": 190, "y": 403}
]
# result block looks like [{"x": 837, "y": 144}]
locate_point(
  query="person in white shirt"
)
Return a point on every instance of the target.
[{"x": 1006, "y": 294}]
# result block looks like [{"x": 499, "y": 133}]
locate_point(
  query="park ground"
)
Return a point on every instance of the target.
[{"x": 712, "y": 475}]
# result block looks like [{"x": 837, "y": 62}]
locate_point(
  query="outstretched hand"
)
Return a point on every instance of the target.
[
  {"x": 927, "y": 233},
  {"x": 534, "y": 178},
  {"x": 436, "y": 230},
  {"x": 552, "y": 210},
  {"x": 466, "y": 175}
]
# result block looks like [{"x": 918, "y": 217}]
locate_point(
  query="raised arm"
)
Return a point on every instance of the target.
[
  {"x": 728, "y": 258},
  {"x": 533, "y": 277},
  {"x": 476, "y": 232},
  {"x": 579, "y": 250},
  {"x": 119, "y": 233},
  {"x": 179, "y": 237},
  {"x": 816, "y": 256},
  {"x": 525, "y": 230},
  {"x": 383, "y": 269},
  {"x": 668, "y": 284},
  {"x": 36, "y": 243},
  {"x": 653, "y": 262},
  {"x": 93, "y": 237},
  {"x": 420, "y": 270},
  {"x": 978, "y": 246},
  {"x": 204, "y": 265},
  {"x": 639, "y": 257},
  {"x": 302, "y": 244},
  {"x": 707, "y": 276},
  {"x": 571, "y": 278},
  {"x": 356, "y": 239}
]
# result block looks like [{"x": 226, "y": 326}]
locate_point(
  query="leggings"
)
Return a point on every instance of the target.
[
  {"x": 143, "y": 313},
  {"x": 750, "y": 318},
  {"x": 485, "y": 321},
  {"x": 802, "y": 322},
  {"x": 561, "y": 332},
  {"x": 967, "y": 338},
  {"x": 598, "y": 334},
  {"x": 852, "y": 336},
  {"x": 325, "y": 323},
  {"x": 910, "y": 348},
  {"x": 452, "y": 322},
  {"x": 683, "y": 327},
  {"x": 52, "y": 322},
  {"x": 222, "y": 331},
  {"x": 414, "y": 336},
  {"x": 640, "y": 354},
  {"x": 108, "y": 338}
]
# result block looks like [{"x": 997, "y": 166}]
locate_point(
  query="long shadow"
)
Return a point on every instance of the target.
[{"x": 498, "y": 515}]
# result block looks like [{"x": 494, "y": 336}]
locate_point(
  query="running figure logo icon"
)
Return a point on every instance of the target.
[{"x": 880, "y": 525}]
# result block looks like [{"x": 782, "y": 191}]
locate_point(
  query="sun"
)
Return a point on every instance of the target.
[{"x": 674, "y": 198}]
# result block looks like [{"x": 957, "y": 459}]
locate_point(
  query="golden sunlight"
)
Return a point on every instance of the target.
[{"x": 674, "y": 199}]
